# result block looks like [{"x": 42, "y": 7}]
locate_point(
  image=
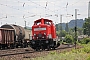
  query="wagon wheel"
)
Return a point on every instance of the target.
[
  {"x": 25, "y": 44},
  {"x": 0, "y": 46},
  {"x": 12, "y": 46},
  {"x": 16, "y": 46}
]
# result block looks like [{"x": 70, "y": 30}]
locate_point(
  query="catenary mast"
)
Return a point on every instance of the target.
[{"x": 89, "y": 9}]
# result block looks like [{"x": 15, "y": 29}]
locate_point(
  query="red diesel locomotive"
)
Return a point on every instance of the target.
[{"x": 44, "y": 35}]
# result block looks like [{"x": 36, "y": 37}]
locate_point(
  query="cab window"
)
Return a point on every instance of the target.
[{"x": 48, "y": 23}]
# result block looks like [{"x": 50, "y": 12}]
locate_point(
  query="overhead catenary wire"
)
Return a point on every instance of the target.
[
  {"x": 18, "y": 8},
  {"x": 42, "y": 6},
  {"x": 24, "y": 6},
  {"x": 12, "y": 7},
  {"x": 67, "y": 5},
  {"x": 25, "y": 3},
  {"x": 34, "y": 3}
]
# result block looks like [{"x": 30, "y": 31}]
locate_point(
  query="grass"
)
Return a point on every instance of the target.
[
  {"x": 78, "y": 54},
  {"x": 64, "y": 56}
]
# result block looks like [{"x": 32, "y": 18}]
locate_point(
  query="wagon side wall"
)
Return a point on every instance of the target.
[{"x": 6, "y": 36}]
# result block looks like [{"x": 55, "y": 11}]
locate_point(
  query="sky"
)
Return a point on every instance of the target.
[{"x": 19, "y": 11}]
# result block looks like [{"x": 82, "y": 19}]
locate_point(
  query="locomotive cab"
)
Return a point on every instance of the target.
[{"x": 44, "y": 35}]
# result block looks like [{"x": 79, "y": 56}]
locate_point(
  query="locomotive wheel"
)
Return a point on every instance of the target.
[
  {"x": 43, "y": 48},
  {"x": 37, "y": 49},
  {"x": 58, "y": 44},
  {"x": 48, "y": 48},
  {"x": 53, "y": 48}
]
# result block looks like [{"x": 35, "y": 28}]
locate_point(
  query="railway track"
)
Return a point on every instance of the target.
[{"x": 17, "y": 51}]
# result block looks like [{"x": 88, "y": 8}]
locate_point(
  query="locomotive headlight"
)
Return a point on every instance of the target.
[
  {"x": 44, "y": 33},
  {"x": 37, "y": 37},
  {"x": 34, "y": 34},
  {"x": 43, "y": 37}
]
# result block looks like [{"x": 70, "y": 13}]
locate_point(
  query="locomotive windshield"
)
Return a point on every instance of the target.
[
  {"x": 37, "y": 23},
  {"x": 47, "y": 22}
]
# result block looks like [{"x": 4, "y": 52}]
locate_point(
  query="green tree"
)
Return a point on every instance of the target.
[
  {"x": 79, "y": 31},
  {"x": 71, "y": 31},
  {"x": 86, "y": 26},
  {"x": 62, "y": 33},
  {"x": 57, "y": 28},
  {"x": 69, "y": 38}
]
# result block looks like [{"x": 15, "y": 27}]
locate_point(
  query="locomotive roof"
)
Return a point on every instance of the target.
[{"x": 39, "y": 20}]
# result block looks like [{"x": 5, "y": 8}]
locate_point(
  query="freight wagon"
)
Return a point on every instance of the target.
[
  {"x": 14, "y": 36},
  {"x": 6, "y": 38}
]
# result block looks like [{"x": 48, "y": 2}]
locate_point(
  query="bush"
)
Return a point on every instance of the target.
[
  {"x": 86, "y": 48},
  {"x": 69, "y": 39},
  {"x": 85, "y": 41}
]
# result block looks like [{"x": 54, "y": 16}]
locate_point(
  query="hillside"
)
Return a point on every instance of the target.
[{"x": 71, "y": 24}]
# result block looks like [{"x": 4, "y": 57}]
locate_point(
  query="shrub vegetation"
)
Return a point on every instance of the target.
[{"x": 85, "y": 40}]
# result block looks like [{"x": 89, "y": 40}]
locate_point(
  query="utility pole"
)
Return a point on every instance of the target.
[
  {"x": 25, "y": 24},
  {"x": 61, "y": 22},
  {"x": 61, "y": 27},
  {"x": 75, "y": 27},
  {"x": 89, "y": 9},
  {"x": 15, "y": 22}
]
